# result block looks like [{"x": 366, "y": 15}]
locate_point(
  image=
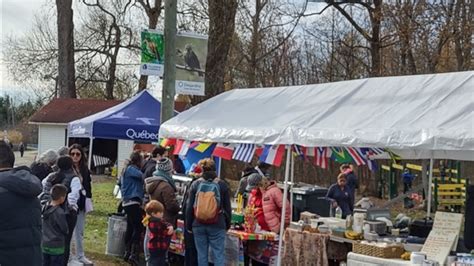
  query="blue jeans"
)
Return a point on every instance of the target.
[
  {"x": 53, "y": 260},
  {"x": 206, "y": 237}
]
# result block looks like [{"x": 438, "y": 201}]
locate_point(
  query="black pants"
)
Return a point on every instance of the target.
[
  {"x": 71, "y": 219},
  {"x": 53, "y": 260},
  {"x": 158, "y": 258},
  {"x": 190, "y": 249},
  {"x": 134, "y": 227}
]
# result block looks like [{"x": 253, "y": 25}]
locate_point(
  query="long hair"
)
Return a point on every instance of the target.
[
  {"x": 136, "y": 159},
  {"x": 64, "y": 164},
  {"x": 83, "y": 162}
]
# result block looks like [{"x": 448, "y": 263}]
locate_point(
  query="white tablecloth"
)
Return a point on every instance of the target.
[{"x": 354, "y": 259}]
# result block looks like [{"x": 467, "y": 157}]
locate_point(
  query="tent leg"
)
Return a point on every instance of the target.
[
  {"x": 91, "y": 146},
  {"x": 430, "y": 182},
  {"x": 292, "y": 183},
  {"x": 283, "y": 209}
]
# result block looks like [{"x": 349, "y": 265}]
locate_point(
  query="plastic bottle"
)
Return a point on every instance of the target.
[{"x": 338, "y": 212}]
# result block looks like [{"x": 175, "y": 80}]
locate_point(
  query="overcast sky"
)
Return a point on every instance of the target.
[{"x": 16, "y": 17}]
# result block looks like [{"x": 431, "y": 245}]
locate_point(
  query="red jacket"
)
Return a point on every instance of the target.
[
  {"x": 158, "y": 238},
  {"x": 272, "y": 207},
  {"x": 256, "y": 199}
]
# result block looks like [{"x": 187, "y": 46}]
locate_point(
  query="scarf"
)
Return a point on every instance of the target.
[{"x": 166, "y": 177}]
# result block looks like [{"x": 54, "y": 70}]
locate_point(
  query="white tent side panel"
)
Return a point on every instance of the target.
[{"x": 433, "y": 113}]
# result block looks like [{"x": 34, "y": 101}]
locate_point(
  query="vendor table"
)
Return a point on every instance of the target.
[
  {"x": 354, "y": 259},
  {"x": 261, "y": 247},
  {"x": 305, "y": 248},
  {"x": 341, "y": 239}
]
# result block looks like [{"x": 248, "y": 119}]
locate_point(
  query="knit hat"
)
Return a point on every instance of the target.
[
  {"x": 253, "y": 181},
  {"x": 165, "y": 165},
  {"x": 63, "y": 151}
]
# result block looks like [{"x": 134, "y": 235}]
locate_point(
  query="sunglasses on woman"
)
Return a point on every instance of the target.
[{"x": 73, "y": 154}]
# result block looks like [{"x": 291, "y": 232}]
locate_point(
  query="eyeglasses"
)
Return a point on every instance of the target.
[{"x": 73, "y": 154}]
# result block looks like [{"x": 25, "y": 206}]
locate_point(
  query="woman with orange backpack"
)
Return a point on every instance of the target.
[{"x": 208, "y": 214}]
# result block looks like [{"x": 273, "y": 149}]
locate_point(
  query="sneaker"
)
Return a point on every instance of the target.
[{"x": 85, "y": 261}]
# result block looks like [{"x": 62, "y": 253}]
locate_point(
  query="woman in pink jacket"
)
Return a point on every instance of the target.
[{"x": 273, "y": 204}]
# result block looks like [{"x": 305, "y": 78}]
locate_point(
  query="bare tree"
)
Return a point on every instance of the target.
[
  {"x": 264, "y": 26},
  {"x": 66, "y": 71},
  {"x": 107, "y": 32}
]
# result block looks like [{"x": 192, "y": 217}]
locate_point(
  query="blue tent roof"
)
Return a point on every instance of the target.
[{"x": 135, "y": 119}]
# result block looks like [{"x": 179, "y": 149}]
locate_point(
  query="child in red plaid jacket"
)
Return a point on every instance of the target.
[{"x": 159, "y": 233}]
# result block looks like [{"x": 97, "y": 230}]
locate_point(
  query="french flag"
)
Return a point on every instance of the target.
[
  {"x": 357, "y": 155},
  {"x": 273, "y": 154},
  {"x": 182, "y": 147},
  {"x": 224, "y": 151},
  {"x": 321, "y": 157}
]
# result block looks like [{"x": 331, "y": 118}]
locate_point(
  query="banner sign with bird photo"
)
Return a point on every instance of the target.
[
  {"x": 152, "y": 53},
  {"x": 191, "y": 54}
]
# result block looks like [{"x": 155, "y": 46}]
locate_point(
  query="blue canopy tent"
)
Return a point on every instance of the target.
[{"x": 137, "y": 119}]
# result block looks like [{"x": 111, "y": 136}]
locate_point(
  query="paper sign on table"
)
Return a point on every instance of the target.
[{"x": 443, "y": 237}]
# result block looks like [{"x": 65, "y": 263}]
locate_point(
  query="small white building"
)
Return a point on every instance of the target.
[{"x": 53, "y": 118}]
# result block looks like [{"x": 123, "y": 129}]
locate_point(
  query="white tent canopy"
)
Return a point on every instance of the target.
[{"x": 421, "y": 116}]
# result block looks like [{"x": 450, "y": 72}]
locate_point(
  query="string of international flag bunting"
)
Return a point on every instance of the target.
[{"x": 273, "y": 154}]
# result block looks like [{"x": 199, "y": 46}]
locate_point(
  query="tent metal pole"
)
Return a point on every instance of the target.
[
  {"x": 430, "y": 182},
  {"x": 292, "y": 183},
  {"x": 283, "y": 209},
  {"x": 91, "y": 146}
]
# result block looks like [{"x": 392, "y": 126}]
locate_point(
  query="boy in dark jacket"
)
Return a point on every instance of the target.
[
  {"x": 159, "y": 233},
  {"x": 55, "y": 228}
]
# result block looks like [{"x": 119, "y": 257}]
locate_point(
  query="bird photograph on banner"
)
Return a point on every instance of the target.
[{"x": 191, "y": 53}]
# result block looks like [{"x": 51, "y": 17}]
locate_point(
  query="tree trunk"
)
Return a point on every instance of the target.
[
  {"x": 153, "y": 15},
  {"x": 66, "y": 71},
  {"x": 221, "y": 30},
  {"x": 109, "y": 85},
  {"x": 375, "y": 45}
]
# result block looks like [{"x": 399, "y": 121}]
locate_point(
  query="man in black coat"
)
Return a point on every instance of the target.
[{"x": 20, "y": 213}]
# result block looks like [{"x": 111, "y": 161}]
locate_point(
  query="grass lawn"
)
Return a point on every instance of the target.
[{"x": 95, "y": 239}]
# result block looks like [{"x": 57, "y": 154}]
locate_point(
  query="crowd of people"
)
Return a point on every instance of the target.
[
  {"x": 54, "y": 195},
  {"x": 206, "y": 208},
  {"x": 44, "y": 207}
]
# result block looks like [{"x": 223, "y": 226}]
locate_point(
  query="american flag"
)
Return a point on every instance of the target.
[
  {"x": 321, "y": 157},
  {"x": 244, "y": 152}
]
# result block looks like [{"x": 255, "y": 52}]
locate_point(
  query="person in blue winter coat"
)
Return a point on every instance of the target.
[
  {"x": 132, "y": 197},
  {"x": 407, "y": 180}
]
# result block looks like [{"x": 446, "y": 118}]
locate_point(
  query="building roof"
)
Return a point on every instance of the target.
[{"x": 63, "y": 111}]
